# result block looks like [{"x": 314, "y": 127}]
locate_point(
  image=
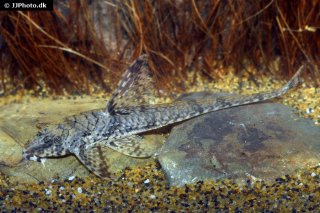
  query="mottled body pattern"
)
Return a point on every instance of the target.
[{"x": 128, "y": 114}]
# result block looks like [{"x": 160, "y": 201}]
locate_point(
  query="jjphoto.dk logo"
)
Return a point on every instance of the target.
[
  {"x": 20, "y": 5},
  {"x": 27, "y": 5}
]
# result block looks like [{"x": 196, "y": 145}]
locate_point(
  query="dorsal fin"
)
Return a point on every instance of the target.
[{"x": 135, "y": 88}]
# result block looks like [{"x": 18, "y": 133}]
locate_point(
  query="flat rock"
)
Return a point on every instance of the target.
[
  {"x": 10, "y": 150},
  {"x": 265, "y": 141},
  {"x": 21, "y": 121}
]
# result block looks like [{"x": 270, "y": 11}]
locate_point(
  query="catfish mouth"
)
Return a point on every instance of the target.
[
  {"x": 29, "y": 156},
  {"x": 30, "y": 153}
]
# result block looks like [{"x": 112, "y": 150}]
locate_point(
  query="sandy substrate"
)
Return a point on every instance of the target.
[{"x": 145, "y": 189}]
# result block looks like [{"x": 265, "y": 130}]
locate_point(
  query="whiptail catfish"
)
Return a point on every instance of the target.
[{"x": 127, "y": 115}]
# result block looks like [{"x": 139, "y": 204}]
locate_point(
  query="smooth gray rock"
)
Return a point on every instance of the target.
[{"x": 265, "y": 141}]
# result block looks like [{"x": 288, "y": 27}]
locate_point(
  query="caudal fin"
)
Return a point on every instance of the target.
[{"x": 294, "y": 81}]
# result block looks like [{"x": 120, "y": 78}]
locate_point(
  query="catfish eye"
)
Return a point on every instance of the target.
[
  {"x": 46, "y": 138},
  {"x": 85, "y": 134},
  {"x": 57, "y": 139}
]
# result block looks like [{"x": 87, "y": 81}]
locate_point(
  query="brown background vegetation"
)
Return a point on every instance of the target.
[{"x": 82, "y": 46}]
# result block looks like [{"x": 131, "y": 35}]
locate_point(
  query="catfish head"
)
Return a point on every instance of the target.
[{"x": 48, "y": 143}]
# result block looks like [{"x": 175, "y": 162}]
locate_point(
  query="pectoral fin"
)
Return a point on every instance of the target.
[{"x": 94, "y": 158}]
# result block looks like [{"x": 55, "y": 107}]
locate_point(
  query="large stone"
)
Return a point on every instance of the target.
[
  {"x": 21, "y": 121},
  {"x": 265, "y": 140},
  {"x": 10, "y": 150}
]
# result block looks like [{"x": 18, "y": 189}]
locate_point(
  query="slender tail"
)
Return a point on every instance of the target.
[
  {"x": 179, "y": 111},
  {"x": 227, "y": 102},
  {"x": 294, "y": 81}
]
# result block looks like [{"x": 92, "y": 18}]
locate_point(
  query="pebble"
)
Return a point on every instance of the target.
[
  {"x": 48, "y": 192},
  {"x": 71, "y": 178},
  {"x": 152, "y": 196},
  {"x": 146, "y": 181},
  {"x": 79, "y": 190},
  {"x": 309, "y": 110}
]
